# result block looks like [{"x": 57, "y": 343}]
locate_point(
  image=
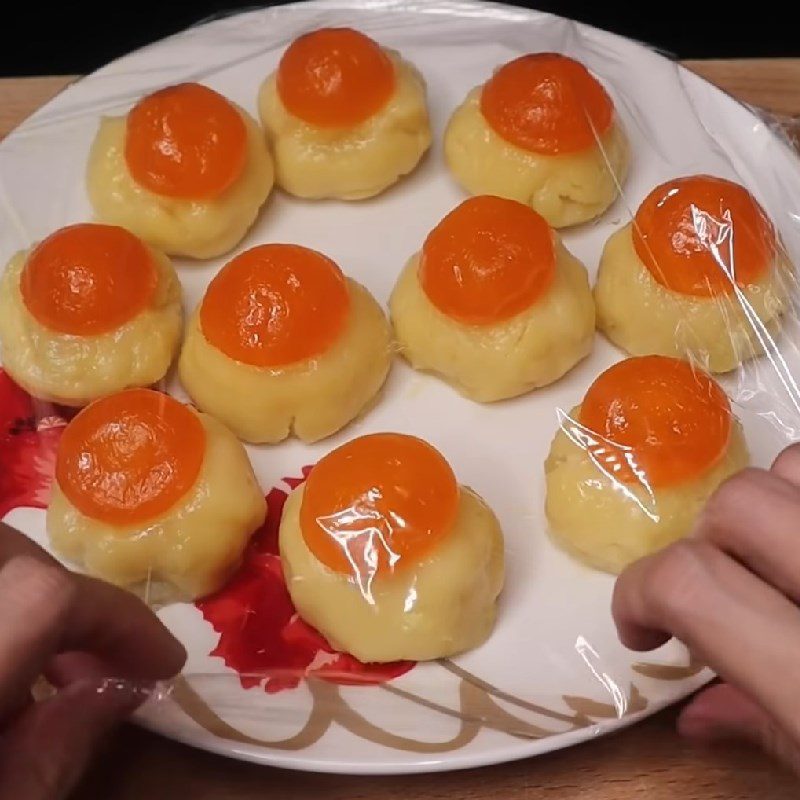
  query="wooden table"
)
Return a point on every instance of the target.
[{"x": 647, "y": 761}]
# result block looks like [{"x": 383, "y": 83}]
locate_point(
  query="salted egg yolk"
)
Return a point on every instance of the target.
[
  {"x": 546, "y": 103},
  {"x": 378, "y": 504},
  {"x": 274, "y": 305},
  {"x": 702, "y": 235},
  {"x": 487, "y": 260},
  {"x": 88, "y": 279},
  {"x": 660, "y": 421},
  {"x": 185, "y": 141},
  {"x": 129, "y": 457},
  {"x": 334, "y": 78}
]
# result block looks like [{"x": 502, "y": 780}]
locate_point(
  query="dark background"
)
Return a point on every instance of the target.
[{"x": 42, "y": 38}]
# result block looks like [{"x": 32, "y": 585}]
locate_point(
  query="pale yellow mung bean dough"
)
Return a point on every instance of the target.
[
  {"x": 565, "y": 189},
  {"x": 349, "y": 163},
  {"x": 189, "y": 551},
  {"x": 607, "y": 524},
  {"x": 313, "y": 398},
  {"x": 73, "y": 370},
  {"x": 493, "y": 362},
  {"x": 441, "y": 606},
  {"x": 180, "y": 227},
  {"x": 643, "y": 317}
]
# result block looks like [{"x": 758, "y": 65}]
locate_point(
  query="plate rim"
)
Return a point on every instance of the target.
[{"x": 195, "y": 736}]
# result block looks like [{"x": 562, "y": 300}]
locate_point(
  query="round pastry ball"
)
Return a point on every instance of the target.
[
  {"x": 345, "y": 117},
  {"x": 284, "y": 343},
  {"x": 494, "y": 303},
  {"x": 87, "y": 312},
  {"x": 633, "y": 465},
  {"x": 186, "y": 170},
  {"x": 153, "y": 496},
  {"x": 543, "y": 131},
  {"x": 388, "y": 557},
  {"x": 689, "y": 277}
]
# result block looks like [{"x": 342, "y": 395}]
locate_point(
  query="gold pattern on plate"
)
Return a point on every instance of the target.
[
  {"x": 479, "y": 707},
  {"x": 668, "y": 672}
]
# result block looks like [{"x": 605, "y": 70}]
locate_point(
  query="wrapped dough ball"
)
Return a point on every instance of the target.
[
  {"x": 542, "y": 131},
  {"x": 283, "y": 343},
  {"x": 635, "y": 463},
  {"x": 346, "y": 118},
  {"x": 388, "y": 557},
  {"x": 152, "y": 496},
  {"x": 88, "y": 311},
  {"x": 494, "y": 303},
  {"x": 692, "y": 273},
  {"x": 186, "y": 170}
]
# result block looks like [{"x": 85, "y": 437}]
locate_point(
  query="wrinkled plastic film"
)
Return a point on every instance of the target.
[
  {"x": 759, "y": 318},
  {"x": 762, "y": 389},
  {"x": 340, "y": 696}
]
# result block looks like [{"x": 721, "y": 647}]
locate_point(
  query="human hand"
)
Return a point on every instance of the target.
[
  {"x": 75, "y": 631},
  {"x": 730, "y": 593}
]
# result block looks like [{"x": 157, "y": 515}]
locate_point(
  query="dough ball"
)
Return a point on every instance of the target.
[
  {"x": 186, "y": 553},
  {"x": 609, "y": 525},
  {"x": 312, "y": 398},
  {"x": 640, "y": 315},
  {"x": 493, "y": 362},
  {"x": 73, "y": 369},
  {"x": 632, "y": 466},
  {"x": 202, "y": 228},
  {"x": 566, "y": 189},
  {"x": 352, "y": 162},
  {"x": 441, "y": 606}
]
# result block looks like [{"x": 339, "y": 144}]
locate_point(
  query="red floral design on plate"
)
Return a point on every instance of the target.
[
  {"x": 29, "y": 434},
  {"x": 260, "y": 631}
]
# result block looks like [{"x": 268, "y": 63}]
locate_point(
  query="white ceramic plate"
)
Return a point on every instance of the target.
[{"x": 553, "y": 673}]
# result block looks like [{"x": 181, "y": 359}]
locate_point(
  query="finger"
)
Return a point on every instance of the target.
[
  {"x": 119, "y": 628},
  {"x": 755, "y": 516},
  {"x": 45, "y": 751},
  {"x": 36, "y": 599},
  {"x": 13, "y": 543},
  {"x": 19, "y": 704},
  {"x": 107, "y": 621},
  {"x": 787, "y": 464},
  {"x": 723, "y": 712},
  {"x": 67, "y": 668},
  {"x": 720, "y": 712},
  {"x": 742, "y": 628}
]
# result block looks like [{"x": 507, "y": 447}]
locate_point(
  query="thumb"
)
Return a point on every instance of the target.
[
  {"x": 722, "y": 713},
  {"x": 46, "y": 749}
]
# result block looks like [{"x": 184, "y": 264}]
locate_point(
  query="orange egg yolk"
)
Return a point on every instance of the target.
[
  {"x": 130, "y": 457},
  {"x": 547, "y": 103},
  {"x": 487, "y": 260},
  {"x": 88, "y": 279},
  {"x": 701, "y": 236},
  {"x": 185, "y": 141},
  {"x": 335, "y": 78},
  {"x": 659, "y": 421},
  {"x": 275, "y": 304},
  {"x": 378, "y": 504}
]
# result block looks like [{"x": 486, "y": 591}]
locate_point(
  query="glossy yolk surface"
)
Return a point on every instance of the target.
[
  {"x": 378, "y": 504},
  {"x": 275, "y": 304},
  {"x": 334, "y": 78},
  {"x": 88, "y": 279},
  {"x": 701, "y": 235},
  {"x": 546, "y": 103},
  {"x": 487, "y": 260},
  {"x": 659, "y": 421},
  {"x": 185, "y": 141},
  {"x": 129, "y": 457}
]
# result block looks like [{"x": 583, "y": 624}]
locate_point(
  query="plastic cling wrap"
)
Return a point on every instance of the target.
[{"x": 376, "y": 463}]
